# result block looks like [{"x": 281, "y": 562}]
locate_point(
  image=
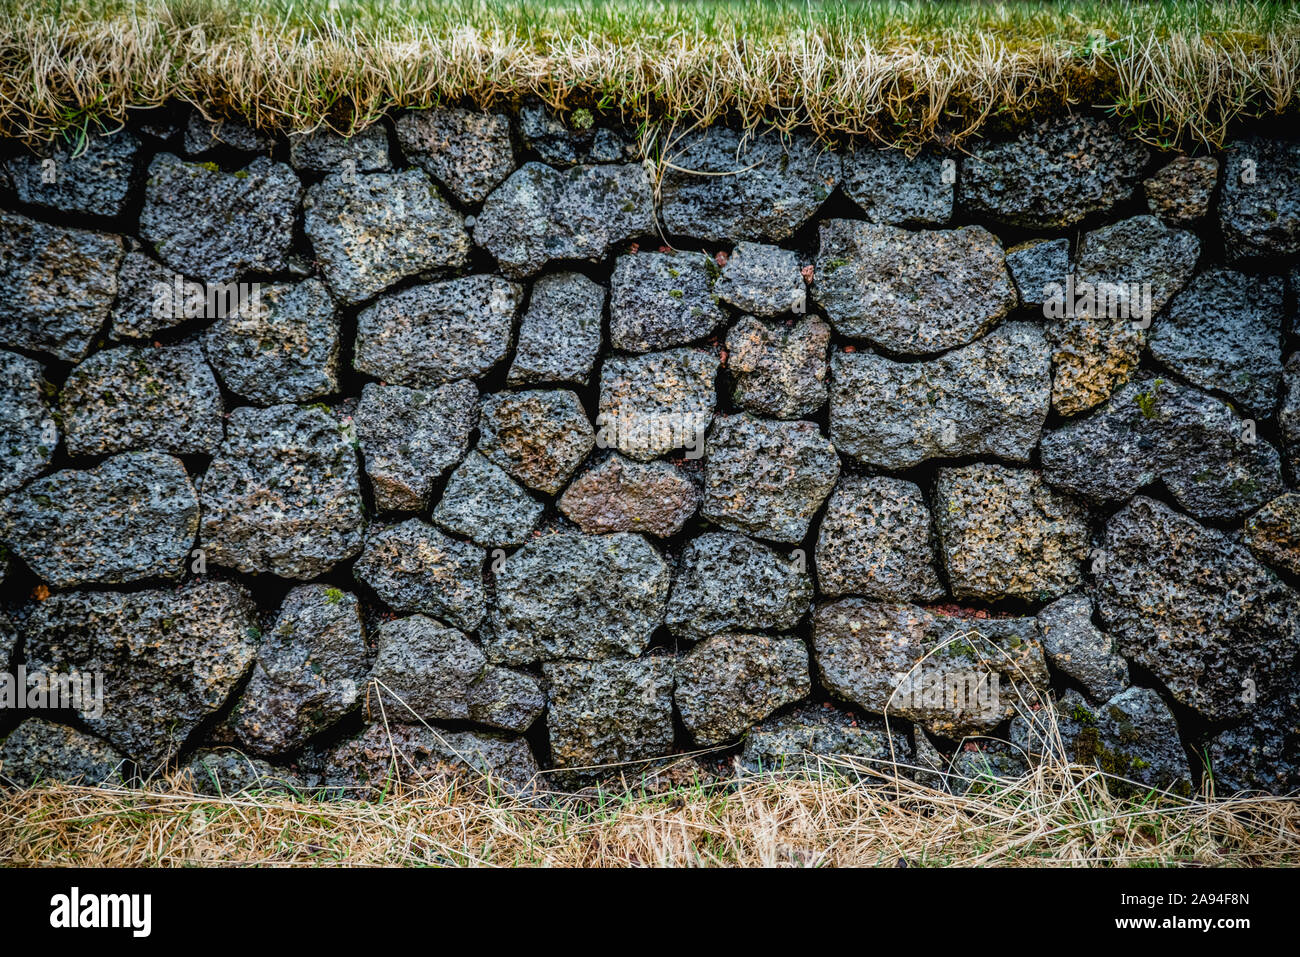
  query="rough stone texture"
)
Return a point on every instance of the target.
[
  {"x": 135, "y": 397},
  {"x": 1080, "y": 649},
  {"x": 1035, "y": 265},
  {"x": 97, "y": 181},
  {"x": 56, "y": 286},
  {"x": 1054, "y": 175},
  {"x": 282, "y": 495},
  {"x": 876, "y": 541},
  {"x": 1288, "y": 416},
  {"x": 896, "y": 190},
  {"x": 8, "y": 638},
  {"x": 727, "y": 683},
  {"x": 202, "y": 134},
  {"x": 309, "y": 672},
  {"x": 325, "y": 151},
  {"x": 411, "y": 437},
  {"x": 1153, "y": 428},
  {"x": 657, "y": 300},
  {"x": 620, "y": 495},
  {"x": 284, "y": 348},
  {"x": 771, "y": 187},
  {"x": 539, "y": 214},
  {"x": 131, "y": 517},
  {"x": 1179, "y": 193},
  {"x": 170, "y": 657},
  {"x": 28, "y": 432},
  {"x": 222, "y": 772},
  {"x": 1262, "y": 753},
  {"x": 371, "y": 230},
  {"x": 654, "y": 403},
  {"x": 467, "y": 151},
  {"x": 988, "y": 398},
  {"x": 779, "y": 369},
  {"x": 871, "y": 653},
  {"x": 214, "y": 225},
  {"x": 1196, "y": 609},
  {"x": 727, "y": 582},
  {"x": 559, "y": 337},
  {"x": 787, "y": 742},
  {"x": 1002, "y": 533},
  {"x": 1132, "y": 736},
  {"x": 486, "y": 505},
  {"x": 1098, "y": 348},
  {"x": 766, "y": 478},
  {"x": 609, "y": 712},
  {"x": 912, "y": 292},
  {"x": 538, "y": 437},
  {"x": 578, "y": 141},
  {"x": 764, "y": 280},
  {"x": 1273, "y": 533},
  {"x": 1224, "y": 332},
  {"x": 429, "y": 672},
  {"x": 984, "y": 765},
  {"x": 146, "y": 299},
  {"x": 576, "y": 596},
  {"x": 413, "y": 567},
  {"x": 1259, "y": 210},
  {"x": 436, "y": 333},
  {"x": 39, "y": 750},
  {"x": 380, "y": 757}
]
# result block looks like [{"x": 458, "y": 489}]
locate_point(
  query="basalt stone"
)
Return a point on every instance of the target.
[
  {"x": 40, "y": 751},
  {"x": 439, "y": 332},
  {"x": 609, "y": 712},
  {"x": 764, "y": 280},
  {"x": 539, "y": 214},
  {"x": 1131, "y": 736},
  {"x": 766, "y": 478},
  {"x": 411, "y": 437},
  {"x": 876, "y": 540},
  {"x": 559, "y": 336},
  {"x": 309, "y": 671},
  {"x": 779, "y": 369},
  {"x": 1288, "y": 416},
  {"x": 28, "y": 432},
  {"x": 172, "y": 657},
  {"x": 654, "y": 403},
  {"x": 1036, "y": 265},
  {"x": 1224, "y": 332},
  {"x": 727, "y": 683},
  {"x": 146, "y": 299},
  {"x": 282, "y": 348},
  {"x": 1273, "y": 533},
  {"x": 1261, "y": 753},
  {"x": 1002, "y": 532},
  {"x": 723, "y": 186},
  {"x": 1259, "y": 211},
  {"x": 984, "y": 765},
  {"x": 1180, "y": 192},
  {"x": 325, "y": 151},
  {"x": 576, "y": 596},
  {"x": 486, "y": 505},
  {"x": 56, "y": 286},
  {"x": 896, "y": 190},
  {"x": 1054, "y": 175},
  {"x": 380, "y": 759},
  {"x": 561, "y": 144},
  {"x": 371, "y": 230},
  {"x": 413, "y": 567},
  {"x": 8, "y": 638},
  {"x": 797, "y": 739},
  {"x": 905, "y": 661},
  {"x": 727, "y": 582},
  {"x": 1077, "y": 647},
  {"x": 426, "y": 671},
  {"x": 1097, "y": 346},
  {"x": 283, "y": 494},
  {"x": 131, "y": 517},
  {"x": 214, "y": 225},
  {"x": 224, "y": 772},
  {"x": 1196, "y": 609},
  {"x": 911, "y": 291},
  {"x": 538, "y": 437},
  {"x": 620, "y": 495},
  {"x": 1155, "y": 429},
  {"x": 136, "y": 397},
  {"x": 94, "y": 177},
  {"x": 467, "y": 151},
  {"x": 202, "y": 134},
  {"x": 988, "y": 398},
  {"x": 658, "y": 300}
]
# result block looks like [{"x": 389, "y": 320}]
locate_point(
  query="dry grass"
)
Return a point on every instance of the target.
[{"x": 1176, "y": 73}]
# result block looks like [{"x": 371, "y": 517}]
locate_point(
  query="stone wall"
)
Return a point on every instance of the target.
[{"x": 476, "y": 436}]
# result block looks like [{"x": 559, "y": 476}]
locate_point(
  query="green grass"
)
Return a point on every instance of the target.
[{"x": 1176, "y": 73}]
